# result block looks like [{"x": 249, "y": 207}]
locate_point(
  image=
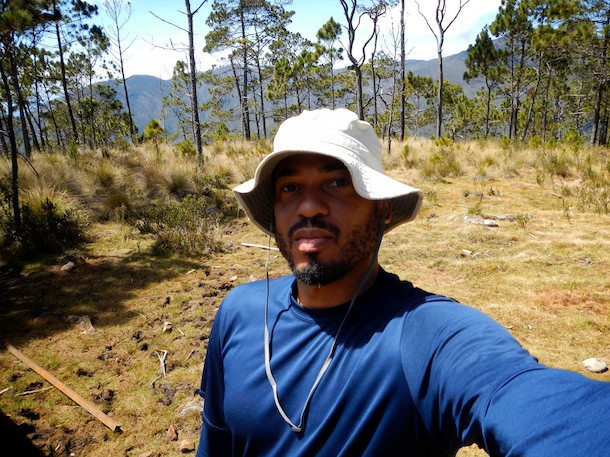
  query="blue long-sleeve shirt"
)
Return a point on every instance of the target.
[{"x": 414, "y": 374}]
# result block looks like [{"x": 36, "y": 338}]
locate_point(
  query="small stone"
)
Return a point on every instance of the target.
[
  {"x": 167, "y": 327},
  {"x": 82, "y": 322},
  {"x": 192, "y": 407},
  {"x": 466, "y": 253},
  {"x": 68, "y": 266},
  {"x": 172, "y": 434},
  {"x": 595, "y": 365},
  {"x": 187, "y": 446},
  {"x": 107, "y": 395}
]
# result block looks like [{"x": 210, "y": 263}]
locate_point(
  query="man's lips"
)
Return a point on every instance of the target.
[{"x": 311, "y": 239}]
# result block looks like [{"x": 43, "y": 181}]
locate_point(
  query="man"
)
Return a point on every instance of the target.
[{"x": 344, "y": 359}]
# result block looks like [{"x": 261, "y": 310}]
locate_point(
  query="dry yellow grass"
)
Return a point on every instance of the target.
[{"x": 542, "y": 276}]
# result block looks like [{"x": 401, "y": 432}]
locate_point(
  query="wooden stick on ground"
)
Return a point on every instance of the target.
[
  {"x": 271, "y": 248},
  {"x": 87, "y": 405},
  {"x": 35, "y": 391}
]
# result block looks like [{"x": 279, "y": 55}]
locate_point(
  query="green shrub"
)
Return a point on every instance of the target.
[
  {"x": 187, "y": 148},
  {"x": 104, "y": 174},
  {"x": 51, "y": 222},
  {"x": 178, "y": 182},
  {"x": 440, "y": 165},
  {"x": 190, "y": 226},
  {"x": 594, "y": 194},
  {"x": 72, "y": 150},
  {"x": 553, "y": 163},
  {"x": 118, "y": 198},
  {"x": 405, "y": 155}
]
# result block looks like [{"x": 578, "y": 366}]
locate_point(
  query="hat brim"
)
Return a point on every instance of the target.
[{"x": 257, "y": 198}]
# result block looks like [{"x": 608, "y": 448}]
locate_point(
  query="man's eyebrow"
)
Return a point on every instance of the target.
[
  {"x": 334, "y": 166},
  {"x": 282, "y": 172}
]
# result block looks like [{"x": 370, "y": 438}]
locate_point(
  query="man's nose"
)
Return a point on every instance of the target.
[{"x": 312, "y": 204}]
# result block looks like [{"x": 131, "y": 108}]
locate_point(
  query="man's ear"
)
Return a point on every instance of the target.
[{"x": 387, "y": 210}]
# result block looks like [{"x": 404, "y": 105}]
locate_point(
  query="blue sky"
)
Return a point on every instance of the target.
[{"x": 149, "y": 53}]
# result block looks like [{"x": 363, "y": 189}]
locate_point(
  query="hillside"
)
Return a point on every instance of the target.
[{"x": 146, "y": 92}]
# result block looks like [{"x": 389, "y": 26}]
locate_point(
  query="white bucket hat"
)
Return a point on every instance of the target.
[{"x": 335, "y": 133}]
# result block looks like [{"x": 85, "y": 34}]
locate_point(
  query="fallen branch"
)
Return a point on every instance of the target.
[
  {"x": 28, "y": 392},
  {"x": 485, "y": 222},
  {"x": 260, "y": 246},
  {"x": 3, "y": 391},
  {"x": 162, "y": 355},
  {"x": 87, "y": 405}
]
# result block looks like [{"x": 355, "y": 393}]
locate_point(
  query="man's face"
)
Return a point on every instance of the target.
[{"x": 323, "y": 227}]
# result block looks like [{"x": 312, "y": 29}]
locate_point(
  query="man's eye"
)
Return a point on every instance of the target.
[
  {"x": 339, "y": 182},
  {"x": 288, "y": 188}
]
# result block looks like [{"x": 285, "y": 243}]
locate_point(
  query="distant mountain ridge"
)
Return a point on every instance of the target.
[{"x": 146, "y": 92}]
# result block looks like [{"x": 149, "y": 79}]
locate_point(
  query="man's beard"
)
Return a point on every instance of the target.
[{"x": 359, "y": 246}]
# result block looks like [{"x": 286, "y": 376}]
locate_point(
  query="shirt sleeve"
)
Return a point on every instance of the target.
[
  {"x": 548, "y": 412},
  {"x": 215, "y": 439},
  {"x": 473, "y": 382}
]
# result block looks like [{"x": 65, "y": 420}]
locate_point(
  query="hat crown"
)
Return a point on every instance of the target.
[{"x": 316, "y": 130}]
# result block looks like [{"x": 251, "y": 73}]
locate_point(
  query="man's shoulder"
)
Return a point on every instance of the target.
[{"x": 404, "y": 291}]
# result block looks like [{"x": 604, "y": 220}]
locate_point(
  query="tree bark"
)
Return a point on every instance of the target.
[
  {"x": 244, "y": 93},
  {"x": 14, "y": 153},
  {"x": 193, "y": 81},
  {"x": 64, "y": 82},
  {"x": 403, "y": 58}
]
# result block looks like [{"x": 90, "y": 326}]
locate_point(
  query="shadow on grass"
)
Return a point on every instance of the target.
[
  {"x": 14, "y": 439},
  {"x": 36, "y": 304}
]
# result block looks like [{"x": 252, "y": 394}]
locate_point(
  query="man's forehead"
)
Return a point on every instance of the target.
[{"x": 291, "y": 164}]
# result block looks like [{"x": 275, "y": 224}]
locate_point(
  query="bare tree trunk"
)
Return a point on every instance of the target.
[
  {"x": 239, "y": 94},
  {"x": 244, "y": 94},
  {"x": 132, "y": 129},
  {"x": 530, "y": 111},
  {"x": 596, "y": 113},
  {"x": 403, "y": 76},
  {"x": 64, "y": 81},
  {"x": 14, "y": 151},
  {"x": 487, "y": 111},
  {"x": 439, "y": 106},
  {"x": 5, "y": 148},
  {"x": 29, "y": 117},
  {"x": 350, "y": 13},
  {"x": 441, "y": 15},
  {"x": 262, "y": 96},
  {"x": 21, "y": 104},
  {"x": 193, "y": 76}
]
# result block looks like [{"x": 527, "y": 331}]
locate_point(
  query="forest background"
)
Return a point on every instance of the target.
[{"x": 139, "y": 232}]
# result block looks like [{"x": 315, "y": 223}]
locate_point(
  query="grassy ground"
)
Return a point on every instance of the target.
[{"x": 541, "y": 273}]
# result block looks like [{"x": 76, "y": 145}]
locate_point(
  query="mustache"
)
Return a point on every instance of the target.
[{"x": 314, "y": 222}]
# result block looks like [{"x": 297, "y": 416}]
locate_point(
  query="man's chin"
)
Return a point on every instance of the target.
[{"x": 319, "y": 274}]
